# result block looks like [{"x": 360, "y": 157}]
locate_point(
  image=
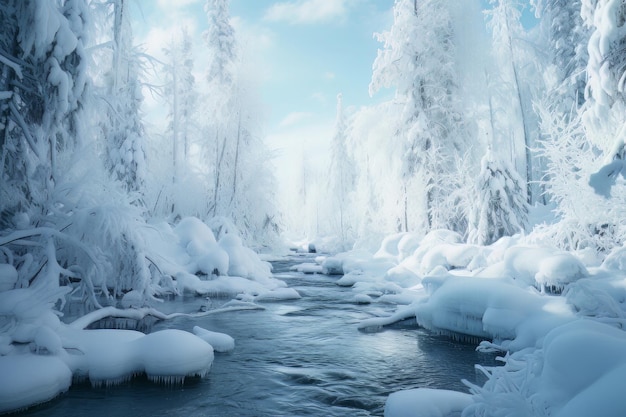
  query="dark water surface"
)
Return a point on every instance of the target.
[{"x": 295, "y": 358}]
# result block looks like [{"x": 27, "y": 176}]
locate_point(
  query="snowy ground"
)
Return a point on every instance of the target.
[
  {"x": 557, "y": 317},
  {"x": 40, "y": 355}
]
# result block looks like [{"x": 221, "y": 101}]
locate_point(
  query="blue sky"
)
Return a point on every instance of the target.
[{"x": 303, "y": 59}]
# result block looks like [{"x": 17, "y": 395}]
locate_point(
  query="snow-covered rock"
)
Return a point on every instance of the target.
[
  {"x": 221, "y": 342},
  {"x": 425, "y": 402}
]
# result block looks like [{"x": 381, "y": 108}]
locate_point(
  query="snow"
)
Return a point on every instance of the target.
[
  {"x": 186, "y": 257},
  {"x": 8, "y": 277},
  {"x": 29, "y": 379},
  {"x": 308, "y": 268},
  {"x": 278, "y": 294},
  {"x": 557, "y": 315},
  {"x": 220, "y": 342},
  {"x": 198, "y": 263},
  {"x": 424, "y": 402},
  {"x": 104, "y": 357}
]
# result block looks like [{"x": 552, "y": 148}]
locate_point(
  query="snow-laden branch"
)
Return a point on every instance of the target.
[
  {"x": 141, "y": 313},
  {"x": 22, "y": 124},
  {"x": 18, "y": 235},
  {"x": 14, "y": 66}
]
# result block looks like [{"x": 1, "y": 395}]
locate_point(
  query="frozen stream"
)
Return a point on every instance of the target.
[{"x": 295, "y": 358}]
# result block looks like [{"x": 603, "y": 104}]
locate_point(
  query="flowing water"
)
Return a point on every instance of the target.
[{"x": 301, "y": 357}]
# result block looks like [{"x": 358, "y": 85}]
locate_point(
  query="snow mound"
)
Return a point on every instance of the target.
[
  {"x": 221, "y": 342},
  {"x": 362, "y": 299},
  {"x": 543, "y": 267},
  {"x": 27, "y": 380},
  {"x": 278, "y": 294},
  {"x": 308, "y": 268},
  {"x": 578, "y": 371},
  {"x": 425, "y": 402},
  {"x": 109, "y": 357},
  {"x": 395, "y": 248},
  {"x": 332, "y": 266}
]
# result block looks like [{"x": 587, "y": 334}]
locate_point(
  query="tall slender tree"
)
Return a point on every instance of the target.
[
  {"x": 123, "y": 129},
  {"x": 181, "y": 97},
  {"x": 515, "y": 124},
  {"x": 341, "y": 178},
  {"x": 221, "y": 74},
  {"x": 418, "y": 59},
  {"x": 242, "y": 184}
]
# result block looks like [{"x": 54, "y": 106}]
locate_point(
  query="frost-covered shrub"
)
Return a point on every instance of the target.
[
  {"x": 113, "y": 233},
  {"x": 585, "y": 217}
]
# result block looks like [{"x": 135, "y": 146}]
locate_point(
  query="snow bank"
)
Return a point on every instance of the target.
[
  {"x": 307, "y": 268},
  {"x": 558, "y": 315},
  {"x": 490, "y": 309},
  {"x": 192, "y": 260}
]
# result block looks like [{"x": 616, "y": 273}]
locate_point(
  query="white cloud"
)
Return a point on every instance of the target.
[
  {"x": 307, "y": 11},
  {"x": 329, "y": 75}
]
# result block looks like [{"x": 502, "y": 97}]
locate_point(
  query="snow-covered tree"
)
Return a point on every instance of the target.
[
  {"x": 514, "y": 83},
  {"x": 606, "y": 71},
  {"x": 377, "y": 207},
  {"x": 42, "y": 87},
  {"x": 241, "y": 182},
  {"x": 341, "y": 179},
  {"x": 221, "y": 43},
  {"x": 123, "y": 128},
  {"x": 566, "y": 39},
  {"x": 418, "y": 59},
  {"x": 181, "y": 96},
  {"x": 499, "y": 208}
]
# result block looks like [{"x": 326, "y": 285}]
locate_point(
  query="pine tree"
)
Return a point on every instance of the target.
[
  {"x": 341, "y": 178},
  {"x": 181, "y": 97},
  {"x": 418, "y": 59},
  {"x": 124, "y": 130},
  {"x": 606, "y": 71},
  {"x": 242, "y": 183},
  {"x": 566, "y": 42},
  {"x": 500, "y": 208},
  {"x": 221, "y": 43},
  {"x": 42, "y": 84}
]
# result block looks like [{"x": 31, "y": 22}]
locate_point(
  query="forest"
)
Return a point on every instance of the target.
[{"x": 497, "y": 139}]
